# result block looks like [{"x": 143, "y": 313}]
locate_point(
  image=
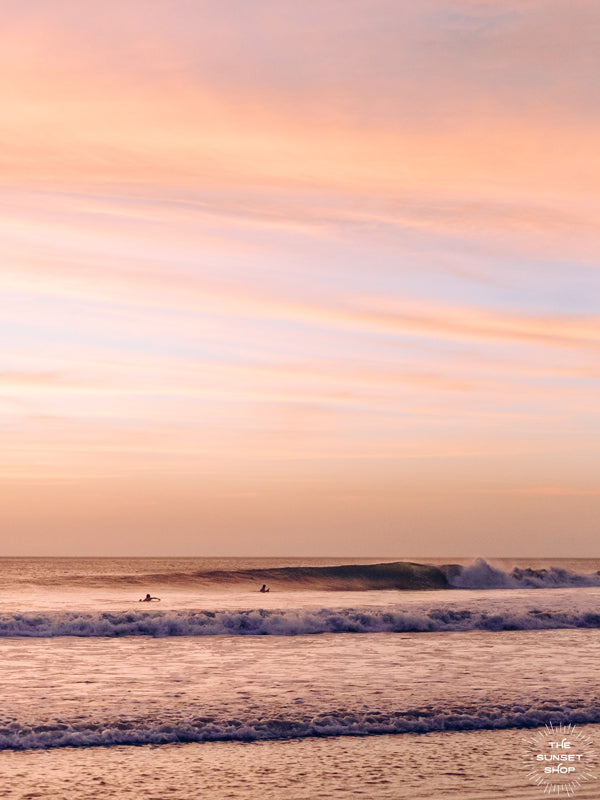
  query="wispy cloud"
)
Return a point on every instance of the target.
[{"x": 253, "y": 243}]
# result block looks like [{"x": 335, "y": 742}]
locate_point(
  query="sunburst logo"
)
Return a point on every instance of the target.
[{"x": 560, "y": 759}]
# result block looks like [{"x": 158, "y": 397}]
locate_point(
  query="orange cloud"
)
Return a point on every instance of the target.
[{"x": 155, "y": 116}]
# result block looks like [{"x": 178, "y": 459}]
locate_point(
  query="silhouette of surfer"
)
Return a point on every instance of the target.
[
  {"x": 264, "y": 588},
  {"x": 148, "y": 598}
]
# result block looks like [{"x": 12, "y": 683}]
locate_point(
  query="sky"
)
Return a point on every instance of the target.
[{"x": 286, "y": 278}]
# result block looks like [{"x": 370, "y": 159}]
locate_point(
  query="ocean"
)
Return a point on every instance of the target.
[{"x": 349, "y": 678}]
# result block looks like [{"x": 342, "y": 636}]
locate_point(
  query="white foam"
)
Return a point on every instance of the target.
[
  {"x": 331, "y": 723},
  {"x": 292, "y": 622},
  {"x": 482, "y": 575}
]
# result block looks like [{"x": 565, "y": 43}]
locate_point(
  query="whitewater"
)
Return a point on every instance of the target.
[{"x": 462, "y": 657}]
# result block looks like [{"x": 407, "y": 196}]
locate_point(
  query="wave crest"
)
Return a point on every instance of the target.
[{"x": 482, "y": 575}]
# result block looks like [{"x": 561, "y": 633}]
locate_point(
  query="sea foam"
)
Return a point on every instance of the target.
[
  {"x": 338, "y": 722},
  {"x": 289, "y": 622},
  {"x": 482, "y": 575}
]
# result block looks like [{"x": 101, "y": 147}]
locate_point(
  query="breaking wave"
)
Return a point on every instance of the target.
[
  {"x": 287, "y": 622},
  {"x": 396, "y": 575},
  {"x": 343, "y": 577},
  {"x": 482, "y": 575},
  {"x": 287, "y": 725}
]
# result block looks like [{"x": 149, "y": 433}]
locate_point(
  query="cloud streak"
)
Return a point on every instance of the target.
[{"x": 290, "y": 246}]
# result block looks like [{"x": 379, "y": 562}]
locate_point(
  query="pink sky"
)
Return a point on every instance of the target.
[{"x": 300, "y": 279}]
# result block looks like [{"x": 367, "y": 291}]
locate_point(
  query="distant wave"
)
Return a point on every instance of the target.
[
  {"x": 482, "y": 575},
  {"x": 290, "y": 724},
  {"x": 345, "y": 577},
  {"x": 397, "y": 575},
  {"x": 286, "y": 622}
]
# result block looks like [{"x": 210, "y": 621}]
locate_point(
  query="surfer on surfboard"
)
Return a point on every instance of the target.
[
  {"x": 264, "y": 588},
  {"x": 148, "y": 598}
]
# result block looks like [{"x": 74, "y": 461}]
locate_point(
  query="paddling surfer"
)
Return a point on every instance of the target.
[
  {"x": 264, "y": 588},
  {"x": 148, "y": 599}
]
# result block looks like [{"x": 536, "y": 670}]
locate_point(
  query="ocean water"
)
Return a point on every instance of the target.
[{"x": 336, "y": 683}]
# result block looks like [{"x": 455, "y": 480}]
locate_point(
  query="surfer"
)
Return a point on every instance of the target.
[
  {"x": 264, "y": 588},
  {"x": 148, "y": 598}
]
